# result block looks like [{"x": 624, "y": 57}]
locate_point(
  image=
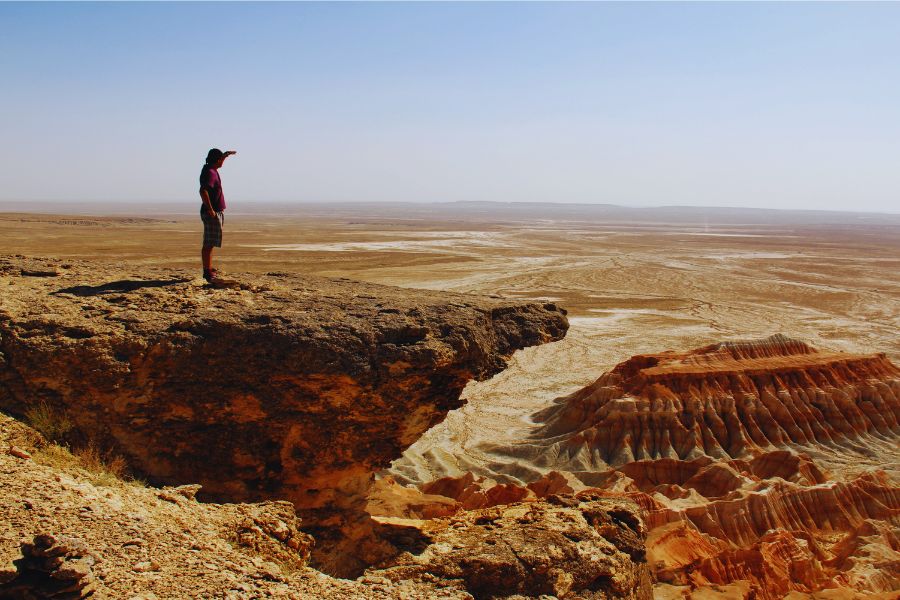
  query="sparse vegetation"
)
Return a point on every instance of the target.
[
  {"x": 99, "y": 466},
  {"x": 53, "y": 425}
]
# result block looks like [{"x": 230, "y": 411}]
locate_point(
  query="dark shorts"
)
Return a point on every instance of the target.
[{"x": 212, "y": 229}]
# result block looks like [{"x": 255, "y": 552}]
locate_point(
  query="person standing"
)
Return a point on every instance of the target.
[{"x": 212, "y": 211}]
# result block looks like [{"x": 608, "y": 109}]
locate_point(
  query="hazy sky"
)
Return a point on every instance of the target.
[{"x": 769, "y": 105}]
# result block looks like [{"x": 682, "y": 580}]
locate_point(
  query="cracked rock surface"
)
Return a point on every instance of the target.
[
  {"x": 278, "y": 386},
  {"x": 125, "y": 541},
  {"x": 582, "y": 546}
]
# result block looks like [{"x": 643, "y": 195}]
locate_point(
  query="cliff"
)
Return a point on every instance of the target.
[
  {"x": 70, "y": 531},
  {"x": 286, "y": 387}
]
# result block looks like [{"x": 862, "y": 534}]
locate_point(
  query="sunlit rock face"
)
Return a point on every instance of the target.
[
  {"x": 723, "y": 401},
  {"x": 715, "y": 444},
  {"x": 743, "y": 458},
  {"x": 581, "y": 547}
]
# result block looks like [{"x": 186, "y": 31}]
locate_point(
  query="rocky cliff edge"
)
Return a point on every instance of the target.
[{"x": 282, "y": 386}]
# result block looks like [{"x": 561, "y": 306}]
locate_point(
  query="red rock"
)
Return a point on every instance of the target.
[
  {"x": 674, "y": 546},
  {"x": 706, "y": 442},
  {"x": 389, "y": 499},
  {"x": 555, "y": 482},
  {"x": 723, "y": 401},
  {"x": 19, "y": 453},
  {"x": 797, "y": 468},
  {"x": 778, "y": 563},
  {"x": 473, "y": 492}
]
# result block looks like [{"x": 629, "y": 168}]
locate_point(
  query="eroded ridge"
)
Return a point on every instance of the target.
[
  {"x": 722, "y": 401},
  {"x": 764, "y": 527}
]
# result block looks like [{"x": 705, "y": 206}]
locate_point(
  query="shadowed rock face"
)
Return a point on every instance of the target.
[
  {"x": 284, "y": 387},
  {"x": 722, "y": 401}
]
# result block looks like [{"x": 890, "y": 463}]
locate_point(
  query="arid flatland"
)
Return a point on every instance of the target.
[{"x": 633, "y": 280}]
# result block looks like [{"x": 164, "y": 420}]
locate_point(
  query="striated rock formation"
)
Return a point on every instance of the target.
[
  {"x": 567, "y": 547},
  {"x": 723, "y": 401},
  {"x": 720, "y": 447},
  {"x": 713, "y": 445},
  {"x": 773, "y": 537}
]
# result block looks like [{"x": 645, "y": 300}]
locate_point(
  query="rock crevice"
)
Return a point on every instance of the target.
[{"x": 286, "y": 387}]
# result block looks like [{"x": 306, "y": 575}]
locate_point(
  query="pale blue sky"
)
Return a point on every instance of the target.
[{"x": 761, "y": 104}]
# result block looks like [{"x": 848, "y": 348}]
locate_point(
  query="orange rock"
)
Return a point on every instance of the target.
[
  {"x": 798, "y": 468},
  {"x": 564, "y": 546},
  {"x": 723, "y": 401},
  {"x": 474, "y": 492},
  {"x": 778, "y": 563},
  {"x": 388, "y": 498},
  {"x": 674, "y": 546},
  {"x": 706, "y": 442},
  {"x": 555, "y": 482}
]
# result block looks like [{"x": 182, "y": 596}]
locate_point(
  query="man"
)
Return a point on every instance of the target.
[{"x": 212, "y": 211}]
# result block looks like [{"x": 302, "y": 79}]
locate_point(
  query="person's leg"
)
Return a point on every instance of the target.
[
  {"x": 206, "y": 255},
  {"x": 212, "y": 237}
]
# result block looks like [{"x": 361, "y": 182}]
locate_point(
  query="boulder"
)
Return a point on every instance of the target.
[{"x": 570, "y": 547}]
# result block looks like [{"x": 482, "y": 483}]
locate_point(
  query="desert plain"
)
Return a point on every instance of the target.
[{"x": 634, "y": 281}]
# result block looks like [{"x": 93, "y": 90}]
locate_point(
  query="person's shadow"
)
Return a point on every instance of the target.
[{"x": 118, "y": 287}]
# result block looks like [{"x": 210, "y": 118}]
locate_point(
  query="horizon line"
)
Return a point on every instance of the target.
[{"x": 131, "y": 204}]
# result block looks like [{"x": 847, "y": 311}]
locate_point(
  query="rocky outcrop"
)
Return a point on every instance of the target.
[
  {"x": 387, "y": 498},
  {"x": 132, "y": 541},
  {"x": 723, "y": 401},
  {"x": 773, "y": 536},
  {"x": 858, "y": 554},
  {"x": 51, "y": 566},
  {"x": 283, "y": 387},
  {"x": 713, "y": 444},
  {"x": 567, "y": 546}
]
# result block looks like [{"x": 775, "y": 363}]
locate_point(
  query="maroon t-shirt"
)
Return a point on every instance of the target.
[{"x": 210, "y": 181}]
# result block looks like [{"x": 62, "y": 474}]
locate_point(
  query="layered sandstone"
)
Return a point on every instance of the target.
[
  {"x": 286, "y": 387},
  {"x": 738, "y": 455},
  {"x": 772, "y": 536},
  {"x": 723, "y": 401}
]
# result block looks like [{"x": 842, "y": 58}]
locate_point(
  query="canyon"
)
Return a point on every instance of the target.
[
  {"x": 753, "y": 466},
  {"x": 715, "y": 445}
]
